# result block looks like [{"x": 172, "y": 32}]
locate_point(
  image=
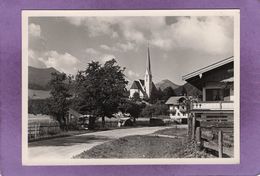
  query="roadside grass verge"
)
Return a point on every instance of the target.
[
  {"x": 149, "y": 146},
  {"x": 135, "y": 147}
]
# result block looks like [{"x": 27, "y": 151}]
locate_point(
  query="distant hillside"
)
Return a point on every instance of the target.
[
  {"x": 166, "y": 83},
  {"x": 38, "y": 78},
  {"x": 178, "y": 89}
]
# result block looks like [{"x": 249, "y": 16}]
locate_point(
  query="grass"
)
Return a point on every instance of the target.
[
  {"x": 38, "y": 94},
  {"x": 148, "y": 146},
  {"x": 180, "y": 132},
  {"x": 135, "y": 147}
]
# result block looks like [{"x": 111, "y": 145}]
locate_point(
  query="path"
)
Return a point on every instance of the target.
[{"x": 67, "y": 147}]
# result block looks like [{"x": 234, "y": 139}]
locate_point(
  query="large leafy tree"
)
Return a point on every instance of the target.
[
  {"x": 168, "y": 92},
  {"x": 59, "y": 100},
  {"x": 100, "y": 89}
]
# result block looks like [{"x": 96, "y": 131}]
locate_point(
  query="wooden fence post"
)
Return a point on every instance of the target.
[
  {"x": 198, "y": 138},
  {"x": 189, "y": 127},
  {"x": 193, "y": 127},
  {"x": 220, "y": 144}
]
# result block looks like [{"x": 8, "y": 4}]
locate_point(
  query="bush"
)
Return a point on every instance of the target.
[
  {"x": 156, "y": 122},
  {"x": 155, "y": 110}
]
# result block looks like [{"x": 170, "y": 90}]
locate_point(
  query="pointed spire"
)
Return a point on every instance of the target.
[{"x": 148, "y": 64}]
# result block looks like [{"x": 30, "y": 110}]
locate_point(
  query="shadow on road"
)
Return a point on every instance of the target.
[{"x": 69, "y": 141}]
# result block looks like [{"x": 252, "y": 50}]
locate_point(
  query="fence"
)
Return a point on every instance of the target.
[
  {"x": 38, "y": 131},
  {"x": 220, "y": 132}
]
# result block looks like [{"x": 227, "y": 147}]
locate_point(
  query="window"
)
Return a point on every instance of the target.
[{"x": 217, "y": 94}]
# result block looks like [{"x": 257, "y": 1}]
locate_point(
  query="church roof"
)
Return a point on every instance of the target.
[
  {"x": 141, "y": 81},
  {"x": 136, "y": 85}
]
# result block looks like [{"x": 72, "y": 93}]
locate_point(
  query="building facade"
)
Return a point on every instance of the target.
[
  {"x": 216, "y": 82},
  {"x": 177, "y": 108}
]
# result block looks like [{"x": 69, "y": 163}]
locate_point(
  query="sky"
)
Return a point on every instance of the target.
[{"x": 178, "y": 44}]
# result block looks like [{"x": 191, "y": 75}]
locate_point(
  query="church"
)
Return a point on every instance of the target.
[{"x": 143, "y": 87}]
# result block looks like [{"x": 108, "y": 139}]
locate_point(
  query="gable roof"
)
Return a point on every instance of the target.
[
  {"x": 208, "y": 68},
  {"x": 141, "y": 81},
  {"x": 135, "y": 85},
  {"x": 174, "y": 100}
]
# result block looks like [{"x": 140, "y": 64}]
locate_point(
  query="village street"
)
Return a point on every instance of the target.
[{"x": 67, "y": 147}]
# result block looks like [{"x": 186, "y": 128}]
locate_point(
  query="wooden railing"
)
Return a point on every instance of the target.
[{"x": 213, "y": 105}]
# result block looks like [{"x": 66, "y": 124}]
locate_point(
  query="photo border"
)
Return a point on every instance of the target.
[
  {"x": 10, "y": 89},
  {"x": 131, "y": 13}
]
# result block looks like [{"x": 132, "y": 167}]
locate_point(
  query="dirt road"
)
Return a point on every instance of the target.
[{"x": 67, "y": 147}]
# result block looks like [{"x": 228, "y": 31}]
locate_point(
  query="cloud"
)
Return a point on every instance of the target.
[
  {"x": 107, "y": 57},
  {"x": 96, "y": 25},
  {"x": 97, "y": 55},
  {"x": 132, "y": 74},
  {"x": 208, "y": 34},
  {"x": 62, "y": 62},
  {"x": 119, "y": 47},
  {"x": 34, "y": 30},
  {"x": 33, "y": 59},
  {"x": 91, "y": 51}
]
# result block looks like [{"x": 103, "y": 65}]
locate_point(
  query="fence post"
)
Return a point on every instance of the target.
[
  {"x": 193, "y": 127},
  {"x": 220, "y": 144},
  {"x": 35, "y": 131},
  {"x": 198, "y": 138},
  {"x": 189, "y": 127}
]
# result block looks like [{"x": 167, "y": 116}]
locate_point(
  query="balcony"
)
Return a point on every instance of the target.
[{"x": 213, "y": 105}]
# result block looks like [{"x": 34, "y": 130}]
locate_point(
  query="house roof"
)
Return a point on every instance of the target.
[
  {"x": 174, "y": 100},
  {"x": 136, "y": 85},
  {"x": 208, "y": 68},
  {"x": 141, "y": 81},
  {"x": 228, "y": 80}
]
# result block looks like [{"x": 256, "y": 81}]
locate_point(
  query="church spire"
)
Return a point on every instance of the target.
[
  {"x": 148, "y": 64},
  {"x": 148, "y": 75}
]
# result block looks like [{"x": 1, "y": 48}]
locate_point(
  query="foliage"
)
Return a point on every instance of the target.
[
  {"x": 59, "y": 100},
  {"x": 131, "y": 107},
  {"x": 167, "y": 93},
  {"x": 155, "y": 110},
  {"x": 100, "y": 89},
  {"x": 38, "y": 106},
  {"x": 136, "y": 97}
]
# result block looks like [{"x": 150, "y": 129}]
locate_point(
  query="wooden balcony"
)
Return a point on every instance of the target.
[{"x": 213, "y": 105}]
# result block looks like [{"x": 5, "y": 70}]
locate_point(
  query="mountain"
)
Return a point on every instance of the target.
[
  {"x": 178, "y": 89},
  {"x": 166, "y": 83},
  {"x": 38, "y": 78},
  {"x": 190, "y": 90}
]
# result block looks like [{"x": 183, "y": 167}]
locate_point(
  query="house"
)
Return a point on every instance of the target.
[
  {"x": 216, "y": 82},
  {"x": 177, "y": 108},
  {"x": 143, "y": 87}
]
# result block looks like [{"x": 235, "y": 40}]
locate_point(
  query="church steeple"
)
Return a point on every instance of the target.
[{"x": 148, "y": 75}]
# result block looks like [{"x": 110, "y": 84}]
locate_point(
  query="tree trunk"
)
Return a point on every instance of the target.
[{"x": 103, "y": 122}]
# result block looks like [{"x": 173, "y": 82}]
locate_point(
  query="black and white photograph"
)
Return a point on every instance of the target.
[{"x": 130, "y": 87}]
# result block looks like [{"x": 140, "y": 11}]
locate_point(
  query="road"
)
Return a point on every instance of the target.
[{"x": 67, "y": 147}]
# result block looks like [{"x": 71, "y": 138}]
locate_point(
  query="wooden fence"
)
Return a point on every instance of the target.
[
  {"x": 220, "y": 131},
  {"x": 38, "y": 131}
]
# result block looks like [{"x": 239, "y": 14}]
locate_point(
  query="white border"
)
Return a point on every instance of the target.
[{"x": 62, "y": 13}]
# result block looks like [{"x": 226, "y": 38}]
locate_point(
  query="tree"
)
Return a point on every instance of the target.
[
  {"x": 100, "y": 89},
  {"x": 132, "y": 107},
  {"x": 183, "y": 91},
  {"x": 155, "y": 110},
  {"x": 136, "y": 97},
  {"x": 59, "y": 100},
  {"x": 168, "y": 92}
]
